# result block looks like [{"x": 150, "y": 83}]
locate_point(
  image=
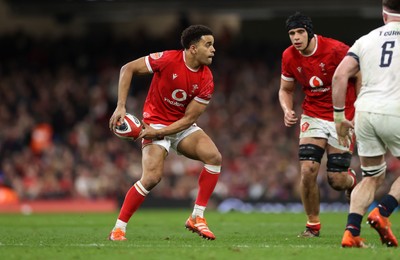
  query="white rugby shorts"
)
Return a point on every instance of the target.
[
  {"x": 376, "y": 133},
  {"x": 319, "y": 128},
  {"x": 171, "y": 141}
]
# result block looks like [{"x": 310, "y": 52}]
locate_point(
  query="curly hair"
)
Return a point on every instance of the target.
[{"x": 193, "y": 33}]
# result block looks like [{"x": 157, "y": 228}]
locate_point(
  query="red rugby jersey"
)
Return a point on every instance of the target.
[
  {"x": 174, "y": 86},
  {"x": 314, "y": 73}
]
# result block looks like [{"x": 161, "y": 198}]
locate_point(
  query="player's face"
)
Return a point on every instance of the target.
[
  {"x": 205, "y": 50},
  {"x": 299, "y": 38}
]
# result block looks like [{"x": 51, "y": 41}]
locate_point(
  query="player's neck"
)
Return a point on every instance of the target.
[
  {"x": 191, "y": 62},
  {"x": 310, "y": 48},
  {"x": 390, "y": 16}
]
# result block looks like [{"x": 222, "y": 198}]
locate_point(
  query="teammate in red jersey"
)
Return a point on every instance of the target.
[
  {"x": 311, "y": 61},
  {"x": 180, "y": 90}
]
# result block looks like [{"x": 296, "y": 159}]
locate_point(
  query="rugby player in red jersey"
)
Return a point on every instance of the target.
[
  {"x": 311, "y": 61},
  {"x": 180, "y": 90}
]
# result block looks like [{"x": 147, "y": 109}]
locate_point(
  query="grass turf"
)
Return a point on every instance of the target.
[{"x": 160, "y": 234}]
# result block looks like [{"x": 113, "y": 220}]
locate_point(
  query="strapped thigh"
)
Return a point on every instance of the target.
[
  {"x": 311, "y": 152},
  {"x": 338, "y": 162},
  {"x": 373, "y": 171}
]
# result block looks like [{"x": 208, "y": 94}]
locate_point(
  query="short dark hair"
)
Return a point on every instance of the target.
[
  {"x": 393, "y": 5},
  {"x": 193, "y": 33}
]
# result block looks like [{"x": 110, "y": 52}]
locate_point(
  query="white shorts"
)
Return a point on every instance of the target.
[
  {"x": 376, "y": 133},
  {"x": 170, "y": 141},
  {"x": 319, "y": 128}
]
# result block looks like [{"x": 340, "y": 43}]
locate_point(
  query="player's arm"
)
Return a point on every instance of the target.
[
  {"x": 358, "y": 80},
  {"x": 136, "y": 67},
  {"x": 192, "y": 113},
  {"x": 347, "y": 68},
  {"x": 286, "y": 95}
]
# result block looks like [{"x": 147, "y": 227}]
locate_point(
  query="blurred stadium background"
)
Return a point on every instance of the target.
[{"x": 59, "y": 69}]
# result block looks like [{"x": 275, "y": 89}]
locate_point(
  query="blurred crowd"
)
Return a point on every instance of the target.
[{"x": 57, "y": 95}]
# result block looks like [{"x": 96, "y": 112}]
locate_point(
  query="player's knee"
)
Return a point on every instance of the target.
[
  {"x": 151, "y": 176},
  {"x": 310, "y": 156},
  {"x": 217, "y": 158},
  {"x": 214, "y": 158},
  {"x": 337, "y": 164},
  {"x": 309, "y": 172},
  {"x": 309, "y": 169},
  {"x": 149, "y": 182}
]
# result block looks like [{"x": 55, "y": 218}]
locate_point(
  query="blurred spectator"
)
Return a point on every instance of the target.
[{"x": 42, "y": 138}]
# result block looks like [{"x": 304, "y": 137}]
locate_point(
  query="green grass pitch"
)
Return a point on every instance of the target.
[{"x": 160, "y": 234}]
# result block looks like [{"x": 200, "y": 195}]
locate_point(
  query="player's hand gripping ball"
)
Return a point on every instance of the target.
[{"x": 130, "y": 129}]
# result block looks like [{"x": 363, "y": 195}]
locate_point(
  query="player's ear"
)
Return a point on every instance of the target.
[
  {"x": 193, "y": 49},
  {"x": 384, "y": 16}
]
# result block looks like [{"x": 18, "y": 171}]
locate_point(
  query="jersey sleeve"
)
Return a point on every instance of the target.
[
  {"x": 207, "y": 89},
  {"x": 286, "y": 73},
  {"x": 341, "y": 50},
  {"x": 354, "y": 51},
  {"x": 156, "y": 61}
]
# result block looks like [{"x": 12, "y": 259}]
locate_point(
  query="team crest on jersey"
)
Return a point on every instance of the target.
[
  {"x": 316, "y": 82},
  {"x": 305, "y": 126},
  {"x": 322, "y": 66},
  {"x": 156, "y": 55},
  {"x": 194, "y": 87}
]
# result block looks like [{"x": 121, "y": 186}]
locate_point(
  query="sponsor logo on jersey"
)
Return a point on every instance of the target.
[
  {"x": 179, "y": 95},
  {"x": 315, "y": 90},
  {"x": 316, "y": 82},
  {"x": 174, "y": 103},
  {"x": 156, "y": 55},
  {"x": 174, "y": 76}
]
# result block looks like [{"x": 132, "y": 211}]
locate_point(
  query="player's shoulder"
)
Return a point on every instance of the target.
[
  {"x": 207, "y": 73},
  {"x": 166, "y": 54},
  {"x": 324, "y": 40},
  {"x": 328, "y": 45},
  {"x": 377, "y": 32},
  {"x": 370, "y": 39},
  {"x": 290, "y": 52},
  {"x": 174, "y": 52}
]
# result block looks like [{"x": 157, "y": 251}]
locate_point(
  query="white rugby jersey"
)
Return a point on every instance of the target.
[{"x": 378, "y": 55}]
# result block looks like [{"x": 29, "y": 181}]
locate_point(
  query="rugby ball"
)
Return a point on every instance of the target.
[{"x": 129, "y": 129}]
